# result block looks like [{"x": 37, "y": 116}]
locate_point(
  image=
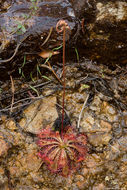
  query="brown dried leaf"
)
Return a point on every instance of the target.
[{"x": 48, "y": 53}]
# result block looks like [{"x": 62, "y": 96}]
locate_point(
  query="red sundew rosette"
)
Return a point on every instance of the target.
[{"x": 62, "y": 155}]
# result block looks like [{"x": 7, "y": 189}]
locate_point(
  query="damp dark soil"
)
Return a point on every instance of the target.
[{"x": 31, "y": 90}]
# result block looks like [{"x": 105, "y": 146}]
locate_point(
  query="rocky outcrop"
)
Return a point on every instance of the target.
[
  {"x": 104, "y": 30},
  {"x": 38, "y": 19}
]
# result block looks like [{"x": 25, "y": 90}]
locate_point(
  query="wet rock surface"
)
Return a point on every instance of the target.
[
  {"x": 30, "y": 26},
  {"x": 23, "y": 18}
]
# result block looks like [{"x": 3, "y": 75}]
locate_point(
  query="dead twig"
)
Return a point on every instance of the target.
[
  {"x": 54, "y": 72},
  {"x": 31, "y": 101},
  {"x": 15, "y": 51},
  {"x": 47, "y": 38},
  {"x": 31, "y": 95},
  {"x": 13, "y": 91},
  {"x": 80, "y": 115},
  {"x": 82, "y": 25},
  {"x": 50, "y": 68}
]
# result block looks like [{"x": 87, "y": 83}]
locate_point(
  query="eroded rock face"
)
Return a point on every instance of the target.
[{"x": 104, "y": 31}]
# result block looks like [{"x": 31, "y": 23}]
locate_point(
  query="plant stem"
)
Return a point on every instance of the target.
[{"x": 64, "y": 31}]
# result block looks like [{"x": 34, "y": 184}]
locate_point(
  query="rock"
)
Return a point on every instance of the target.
[
  {"x": 79, "y": 178},
  {"x": 95, "y": 105},
  {"x": 39, "y": 114},
  {"x": 4, "y": 5},
  {"x": 11, "y": 125},
  {"x": 108, "y": 111},
  {"x": 79, "y": 6},
  {"x": 81, "y": 185},
  {"x": 100, "y": 186},
  {"x": 99, "y": 139},
  {"x": 3, "y": 147},
  {"x": 29, "y": 26},
  {"x": 74, "y": 102},
  {"x": 105, "y": 126},
  {"x": 3, "y": 180},
  {"x": 93, "y": 161},
  {"x": 123, "y": 172},
  {"x": 31, "y": 161},
  {"x": 122, "y": 143},
  {"x": 124, "y": 159},
  {"x": 112, "y": 11},
  {"x": 117, "y": 129},
  {"x": 104, "y": 30},
  {"x": 36, "y": 178},
  {"x": 92, "y": 125},
  {"x": 123, "y": 120},
  {"x": 92, "y": 165},
  {"x": 104, "y": 110},
  {"x": 9, "y": 132},
  {"x": 32, "y": 18},
  {"x": 114, "y": 151},
  {"x": 26, "y": 162},
  {"x": 87, "y": 123},
  {"x": 24, "y": 187}
]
